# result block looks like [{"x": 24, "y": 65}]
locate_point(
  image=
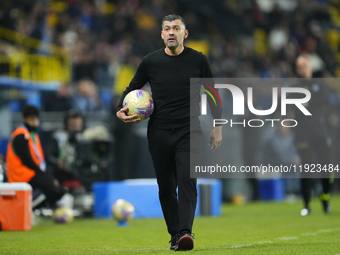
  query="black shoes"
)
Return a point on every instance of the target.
[
  {"x": 173, "y": 242},
  {"x": 185, "y": 242},
  {"x": 182, "y": 242},
  {"x": 326, "y": 207}
]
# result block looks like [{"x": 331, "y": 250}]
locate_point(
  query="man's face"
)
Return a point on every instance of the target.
[
  {"x": 303, "y": 67},
  {"x": 75, "y": 124},
  {"x": 173, "y": 33},
  {"x": 32, "y": 121}
]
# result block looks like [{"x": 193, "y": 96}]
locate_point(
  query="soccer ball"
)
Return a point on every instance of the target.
[
  {"x": 63, "y": 215},
  {"x": 139, "y": 102},
  {"x": 122, "y": 210}
]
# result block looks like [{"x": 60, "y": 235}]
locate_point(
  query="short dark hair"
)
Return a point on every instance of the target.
[
  {"x": 30, "y": 111},
  {"x": 173, "y": 17},
  {"x": 73, "y": 114}
]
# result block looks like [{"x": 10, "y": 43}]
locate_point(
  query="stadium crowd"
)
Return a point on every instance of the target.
[{"x": 242, "y": 38}]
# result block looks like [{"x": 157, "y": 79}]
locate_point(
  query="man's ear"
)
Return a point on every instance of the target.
[
  {"x": 186, "y": 33},
  {"x": 162, "y": 35}
]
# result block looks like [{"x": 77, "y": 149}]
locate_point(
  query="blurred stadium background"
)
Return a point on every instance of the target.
[{"x": 82, "y": 54}]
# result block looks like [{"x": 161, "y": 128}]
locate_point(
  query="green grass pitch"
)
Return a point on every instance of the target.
[{"x": 255, "y": 228}]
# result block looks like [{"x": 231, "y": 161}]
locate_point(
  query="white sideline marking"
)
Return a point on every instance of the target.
[
  {"x": 139, "y": 249},
  {"x": 239, "y": 245},
  {"x": 236, "y": 246},
  {"x": 309, "y": 234},
  {"x": 325, "y": 230},
  {"x": 263, "y": 242},
  {"x": 285, "y": 238},
  {"x": 319, "y": 231}
]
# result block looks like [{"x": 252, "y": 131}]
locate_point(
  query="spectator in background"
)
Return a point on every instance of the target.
[
  {"x": 278, "y": 149},
  {"x": 61, "y": 152},
  {"x": 87, "y": 99},
  {"x": 60, "y": 100},
  {"x": 84, "y": 65},
  {"x": 25, "y": 158},
  {"x": 6, "y": 19}
]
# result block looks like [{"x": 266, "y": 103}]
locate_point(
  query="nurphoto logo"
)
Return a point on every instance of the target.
[{"x": 278, "y": 93}]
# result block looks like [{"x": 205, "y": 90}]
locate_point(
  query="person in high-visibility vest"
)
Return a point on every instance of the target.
[{"x": 25, "y": 158}]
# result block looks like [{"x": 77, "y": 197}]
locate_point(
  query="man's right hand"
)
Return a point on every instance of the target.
[{"x": 122, "y": 115}]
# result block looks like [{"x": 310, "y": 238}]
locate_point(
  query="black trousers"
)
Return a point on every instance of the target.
[
  {"x": 62, "y": 175},
  {"x": 45, "y": 183},
  {"x": 170, "y": 152},
  {"x": 314, "y": 147}
]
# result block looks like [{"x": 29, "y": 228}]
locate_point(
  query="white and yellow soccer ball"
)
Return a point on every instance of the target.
[
  {"x": 63, "y": 215},
  {"x": 122, "y": 210},
  {"x": 139, "y": 102}
]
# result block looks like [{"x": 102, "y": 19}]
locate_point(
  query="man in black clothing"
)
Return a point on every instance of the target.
[
  {"x": 168, "y": 71},
  {"x": 312, "y": 137}
]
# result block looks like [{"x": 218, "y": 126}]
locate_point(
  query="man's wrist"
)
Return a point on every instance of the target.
[{"x": 119, "y": 107}]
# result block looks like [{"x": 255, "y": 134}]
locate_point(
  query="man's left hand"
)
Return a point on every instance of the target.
[{"x": 215, "y": 137}]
